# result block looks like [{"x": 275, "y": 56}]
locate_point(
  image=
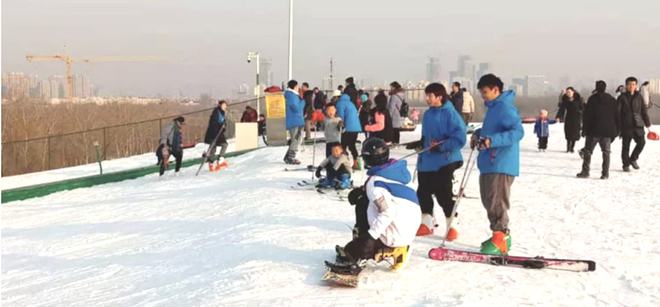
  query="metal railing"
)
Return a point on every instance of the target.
[{"x": 115, "y": 141}]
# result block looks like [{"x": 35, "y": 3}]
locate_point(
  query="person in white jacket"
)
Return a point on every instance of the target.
[
  {"x": 468, "y": 106},
  {"x": 387, "y": 211}
]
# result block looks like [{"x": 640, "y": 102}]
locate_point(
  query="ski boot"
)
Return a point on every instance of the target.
[
  {"x": 341, "y": 257},
  {"x": 427, "y": 225},
  {"x": 498, "y": 244},
  {"x": 398, "y": 254}
]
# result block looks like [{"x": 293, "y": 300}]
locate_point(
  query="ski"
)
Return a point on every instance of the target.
[
  {"x": 208, "y": 151},
  {"x": 309, "y": 168},
  {"x": 448, "y": 254}
]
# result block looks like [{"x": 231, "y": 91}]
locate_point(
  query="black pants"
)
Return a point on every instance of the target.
[
  {"x": 543, "y": 142},
  {"x": 440, "y": 185},
  {"x": 328, "y": 148},
  {"x": 178, "y": 156},
  {"x": 348, "y": 140},
  {"x": 589, "y": 146},
  {"x": 570, "y": 146},
  {"x": 626, "y": 157},
  {"x": 396, "y": 135},
  {"x": 364, "y": 246}
]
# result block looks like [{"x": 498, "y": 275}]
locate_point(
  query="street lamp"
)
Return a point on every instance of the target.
[
  {"x": 290, "y": 40},
  {"x": 254, "y": 56}
]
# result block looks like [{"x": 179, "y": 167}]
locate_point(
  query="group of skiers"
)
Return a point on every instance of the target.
[
  {"x": 600, "y": 120},
  {"x": 390, "y": 214}
]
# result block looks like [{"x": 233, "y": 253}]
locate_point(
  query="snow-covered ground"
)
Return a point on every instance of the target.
[{"x": 243, "y": 237}]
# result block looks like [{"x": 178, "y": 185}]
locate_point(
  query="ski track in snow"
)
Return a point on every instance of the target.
[{"x": 244, "y": 237}]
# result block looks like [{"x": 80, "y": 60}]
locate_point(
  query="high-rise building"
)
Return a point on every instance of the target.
[
  {"x": 433, "y": 70},
  {"x": 484, "y": 68},
  {"x": 535, "y": 85},
  {"x": 466, "y": 70},
  {"x": 16, "y": 85}
]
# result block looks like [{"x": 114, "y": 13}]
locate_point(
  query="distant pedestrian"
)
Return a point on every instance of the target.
[
  {"x": 394, "y": 106},
  {"x": 216, "y": 132},
  {"x": 468, "y": 106},
  {"x": 171, "y": 143},
  {"x": 295, "y": 120},
  {"x": 456, "y": 96},
  {"x": 634, "y": 117},
  {"x": 347, "y": 111},
  {"x": 308, "y": 97},
  {"x": 380, "y": 125},
  {"x": 352, "y": 91},
  {"x": 249, "y": 115},
  {"x": 570, "y": 111},
  {"x": 542, "y": 129}
]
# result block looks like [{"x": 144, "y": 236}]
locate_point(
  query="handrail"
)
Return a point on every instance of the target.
[{"x": 120, "y": 125}]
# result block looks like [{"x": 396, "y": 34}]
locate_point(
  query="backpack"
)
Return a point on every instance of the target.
[{"x": 405, "y": 108}]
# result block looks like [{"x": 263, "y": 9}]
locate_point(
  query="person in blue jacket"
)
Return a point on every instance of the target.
[
  {"x": 295, "y": 120},
  {"x": 542, "y": 129},
  {"x": 499, "y": 158},
  {"x": 444, "y": 132},
  {"x": 347, "y": 111}
]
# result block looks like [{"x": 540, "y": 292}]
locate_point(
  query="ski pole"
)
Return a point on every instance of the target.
[{"x": 461, "y": 190}]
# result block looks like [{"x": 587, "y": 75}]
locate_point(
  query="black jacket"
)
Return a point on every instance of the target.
[
  {"x": 352, "y": 92},
  {"x": 457, "y": 101},
  {"x": 634, "y": 116},
  {"x": 214, "y": 127},
  {"x": 601, "y": 116},
  {"x": 571, "y": 112}
]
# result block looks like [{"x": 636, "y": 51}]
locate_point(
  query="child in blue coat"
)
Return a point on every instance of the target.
[{"x": 542, "y": 130}]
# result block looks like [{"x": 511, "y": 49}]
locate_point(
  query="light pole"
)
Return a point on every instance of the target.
[
  {"x": 290, "y": 40},
  {"x": 254, "y": 56}
]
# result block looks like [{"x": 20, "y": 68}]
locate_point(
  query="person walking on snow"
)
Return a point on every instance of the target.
[
  {"x": 468, "y": 106},
  {"x": 601, "y": 126},
  {"x": 444, "y": 132},
  {"x": 295, "y": 121},
  {"x": 456, "y": 96},
  {"x": 570, "y": 112},
  {"x": 347, "y": 111},
  {"x": 337, "y": 170},
  {"x": 216, "y": 131},
  {"x": 542, "y": 129},
  {"x": 171, "y": 142},
  {"x": 634, "y": 117},
  {"x": 499, "y": 159},
  {"x": 387, "y": 213}
]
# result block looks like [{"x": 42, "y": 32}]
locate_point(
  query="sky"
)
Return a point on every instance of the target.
[{"x": 204, "y": 42}]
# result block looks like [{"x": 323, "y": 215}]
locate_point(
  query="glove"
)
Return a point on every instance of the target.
[
  {"x": 435, "y": 146},
  {"x": 340, "y": 125},
  {"x": 474, "y": 141},
  {"x": 484, "y": 143},
  {"x": 318, "y": 172},
  {"x": 358, "y": 197}
]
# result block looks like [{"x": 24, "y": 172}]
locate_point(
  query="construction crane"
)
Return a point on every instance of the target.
[{"x": 68, "y": 61}]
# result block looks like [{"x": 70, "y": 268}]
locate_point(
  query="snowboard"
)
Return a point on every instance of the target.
[
  {"x": 342, "y": 274},
  {"x": 208, "y": 151},
  {"x": 449, "y": 254}
]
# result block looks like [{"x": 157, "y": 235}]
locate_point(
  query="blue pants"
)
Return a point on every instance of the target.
[{"x": 335, "y": 179}]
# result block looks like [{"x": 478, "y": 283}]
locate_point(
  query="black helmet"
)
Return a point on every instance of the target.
[{"x": 375, "y": 152}]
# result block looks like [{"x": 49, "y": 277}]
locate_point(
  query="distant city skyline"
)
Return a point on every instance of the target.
[{"x": 205, "y": 42}]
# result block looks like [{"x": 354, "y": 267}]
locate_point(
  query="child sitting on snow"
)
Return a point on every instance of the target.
[
  {"x": 387, "y": 213},
  {"x": 541, "y": 129},
  {"x": 337, "y": 170}
]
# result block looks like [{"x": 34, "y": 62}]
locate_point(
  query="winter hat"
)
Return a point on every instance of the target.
[
  {"x": 364, "y": 97},
  {"x": 349, "y": 80},
  {"x": 601, "y": 86}
]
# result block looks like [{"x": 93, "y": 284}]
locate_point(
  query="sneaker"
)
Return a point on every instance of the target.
[
  {"x": 498, "y": 244},
  {"x": 634, "y": 164},
  {"x": 582, "y": 174}
]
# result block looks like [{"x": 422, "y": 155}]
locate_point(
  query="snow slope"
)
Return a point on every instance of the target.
[{"x": 243, "y": 237}]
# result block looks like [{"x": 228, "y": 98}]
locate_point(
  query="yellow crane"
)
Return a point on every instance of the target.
[{"x": 68, "y": 61}]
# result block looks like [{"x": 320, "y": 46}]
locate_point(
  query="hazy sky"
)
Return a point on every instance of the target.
[{"x": 206, "y": 41}]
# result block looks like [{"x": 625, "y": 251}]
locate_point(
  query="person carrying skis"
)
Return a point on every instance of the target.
[
  {"x": 499, "y": 159},
  {"x": 216, "y": 131},
  {"x": 171, "y": 142},
  {"x": 337, "y": 170},
  {"x": 387, "y": 213},
  {"x": 542, "y": 129},
  {"x": 444, "y": 132}
]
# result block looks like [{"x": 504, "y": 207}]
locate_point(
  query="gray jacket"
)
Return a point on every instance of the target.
[
  {"x": 167, "y": 134},
  {"x": 394, "y": 106},
  {"x": 332, "y": 130}
]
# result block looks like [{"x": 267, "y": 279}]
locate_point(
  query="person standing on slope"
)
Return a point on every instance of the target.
[
  {"x": 499, "y": 159},
  {"x": 456, "y": 96},
  {"x": 570, "y": 111},
  {"x": 347, "y": 111},
  {"x": 468, "y": 106},
  {"x": 394, "y": 106},
  {"x": 601, "y": 126},
  {"x": 295, "y": 121},
  {"x": 171, "y": 142},
  {"x": 386, "y": 210},
  {"x": 634, "y": 116},
  {"x": 216, "y": 131},
  {"x": 444, "y": 132},
  {"x": 352, "y": 91}
]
